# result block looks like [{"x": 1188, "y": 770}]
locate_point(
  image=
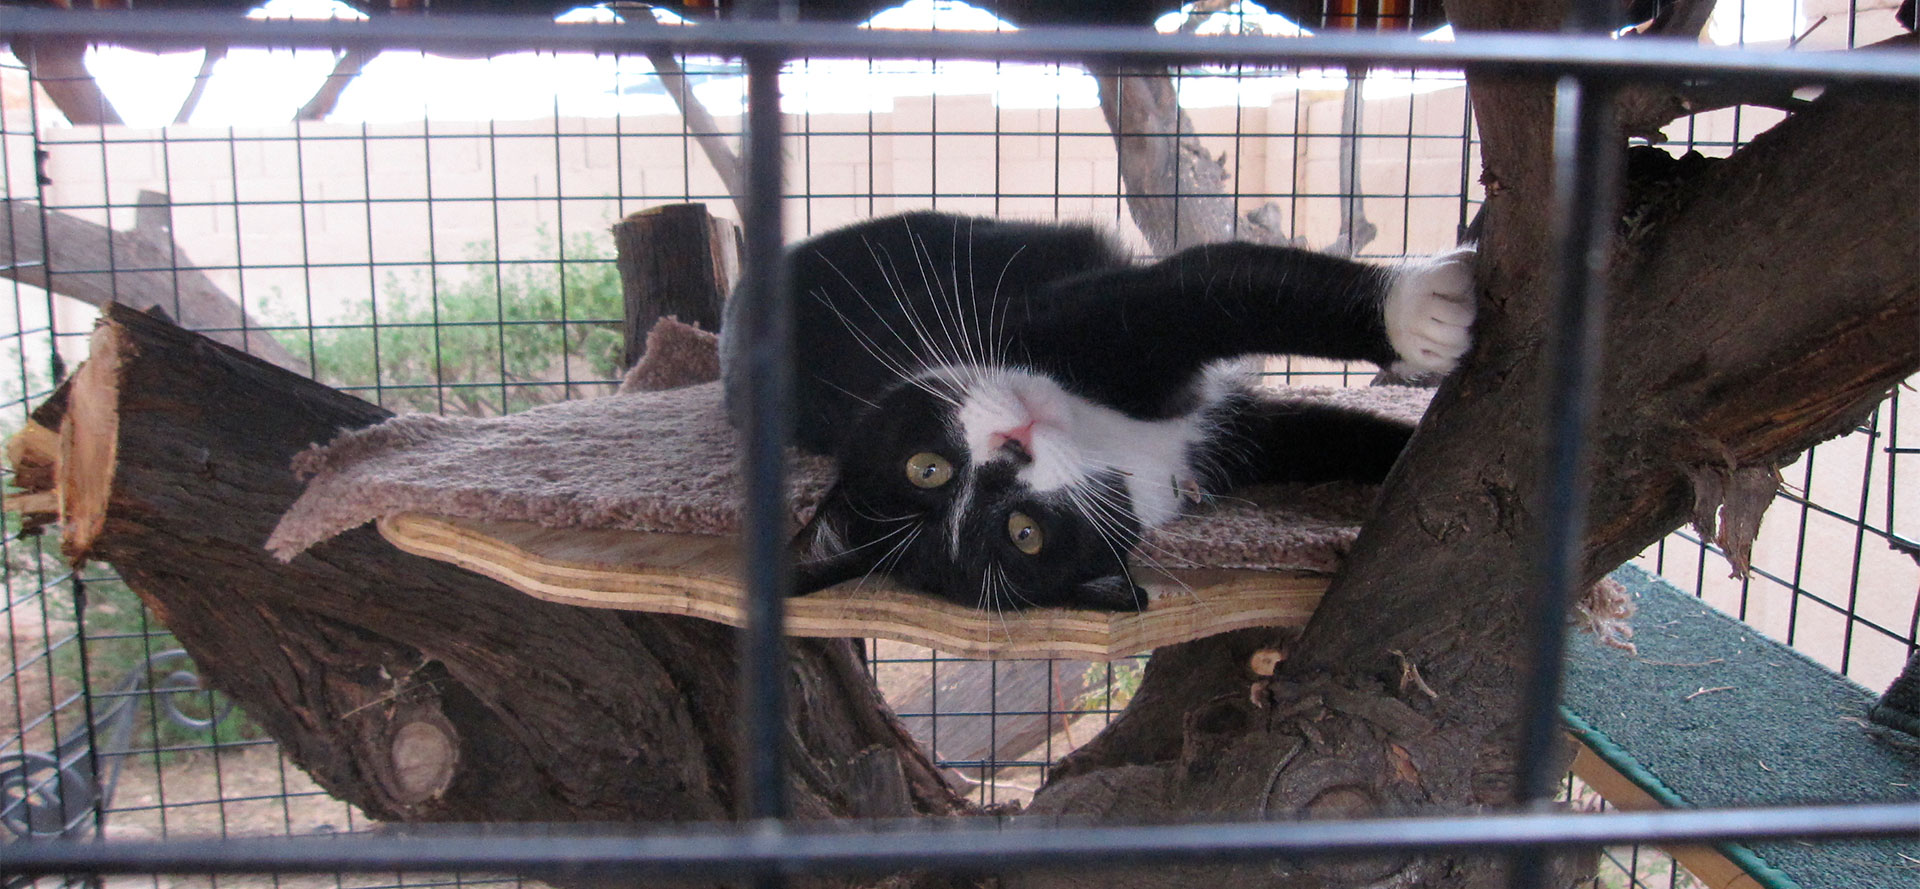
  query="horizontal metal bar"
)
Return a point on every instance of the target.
[
  {"x": 941, "y": 844},
  {"x": 1514, "y": 53}
]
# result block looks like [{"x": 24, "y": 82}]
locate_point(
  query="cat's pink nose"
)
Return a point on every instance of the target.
[{"x": 1017, "y": 441}]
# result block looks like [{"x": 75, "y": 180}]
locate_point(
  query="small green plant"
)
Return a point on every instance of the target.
[
  {"x": 1110, "y": 686},
  {"x": 488, "y": 337}
]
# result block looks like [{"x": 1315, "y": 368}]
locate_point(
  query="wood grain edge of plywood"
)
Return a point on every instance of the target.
[
  {"x": 1707, "y": 863},
  {"x": 696, "y": 576}
]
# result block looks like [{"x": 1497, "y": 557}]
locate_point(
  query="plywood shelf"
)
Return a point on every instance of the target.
[{"x": 696, "y": 576}]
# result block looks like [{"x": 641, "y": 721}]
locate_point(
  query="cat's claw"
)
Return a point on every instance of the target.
[{"x": 1429, "y": 313}]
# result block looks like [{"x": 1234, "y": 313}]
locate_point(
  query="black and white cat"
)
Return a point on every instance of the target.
[{"x": 1011, "y": 405}]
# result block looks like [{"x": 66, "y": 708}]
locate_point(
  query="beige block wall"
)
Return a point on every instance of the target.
[{"x": 325, "y": 212}]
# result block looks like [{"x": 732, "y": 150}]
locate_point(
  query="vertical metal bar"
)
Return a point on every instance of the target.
[
  {"x": 1859, "y": 522},
  {"x": 1587, "y": 157},
  {"x": 433, "y": 264},
  {"x": 767, "y": 346},
  {"x": 87, "y": 698}
]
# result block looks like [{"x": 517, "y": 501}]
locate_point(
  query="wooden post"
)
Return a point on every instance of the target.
[{"x": 675, "y": 260}]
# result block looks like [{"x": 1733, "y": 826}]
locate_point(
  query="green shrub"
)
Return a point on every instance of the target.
[{"x": 484, "y": 338}]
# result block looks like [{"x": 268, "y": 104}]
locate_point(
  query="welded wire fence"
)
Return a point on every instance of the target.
[{"x": 428, "y": 256}]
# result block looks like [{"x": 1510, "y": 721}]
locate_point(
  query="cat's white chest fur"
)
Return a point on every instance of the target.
[{"x": 1074, "y": 444}]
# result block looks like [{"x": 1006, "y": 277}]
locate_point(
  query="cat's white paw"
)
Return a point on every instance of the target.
[{"x": 1429, "y": 313}]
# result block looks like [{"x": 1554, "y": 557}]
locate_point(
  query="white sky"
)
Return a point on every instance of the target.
[{"x": 256, "y": 87}]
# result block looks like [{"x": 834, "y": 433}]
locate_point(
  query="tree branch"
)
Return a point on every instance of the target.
[
  {"x": 208, "y": 61},
  {"x": 1174, "y": 186},
  {"x": 59, "y": 67},
  {"x": 700, "y": 123},
  {"x": 346, "y": 67},
  {"x": 148, "y": 269}
]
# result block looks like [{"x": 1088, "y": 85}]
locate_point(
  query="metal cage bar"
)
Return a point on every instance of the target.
[
  {"x": 1536, "y": 54},
  {"x": 757, "y": 849}
]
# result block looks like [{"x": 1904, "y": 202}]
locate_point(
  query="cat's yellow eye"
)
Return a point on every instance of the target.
[
  {"x": 929, "y": 470},
  {"x": 1025, "y": 533}
]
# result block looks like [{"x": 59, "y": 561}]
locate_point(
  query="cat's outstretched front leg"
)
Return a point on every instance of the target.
[{"x": 1429, "y": 311}]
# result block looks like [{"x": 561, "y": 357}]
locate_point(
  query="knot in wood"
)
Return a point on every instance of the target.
[{"x": 423, "y": 755}]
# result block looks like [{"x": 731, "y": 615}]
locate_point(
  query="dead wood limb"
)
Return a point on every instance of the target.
[
  {"x": 1173, "y": 185},
  {"x": 141, "y": 268},
  {"x": 413, "y": 689},
  {"x": 346, "y": 67},
  {"x": 59, "y": 67},
  {"x": 1356, "y": 232},
  {"x": 700, "y": 123},
  {"x": 208, "y": 61}
]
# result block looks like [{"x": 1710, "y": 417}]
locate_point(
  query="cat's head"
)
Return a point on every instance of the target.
[{"x": 977, "y": 486}]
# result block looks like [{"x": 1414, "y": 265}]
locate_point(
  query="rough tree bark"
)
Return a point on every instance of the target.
[
  {"x": 1757, "y": 309},
  {"x": 1173, "y": 185},
  {"x": 675, "y": 260}
]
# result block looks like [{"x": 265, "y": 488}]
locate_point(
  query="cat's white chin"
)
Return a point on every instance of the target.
[{"x": 1429, "y": 312}]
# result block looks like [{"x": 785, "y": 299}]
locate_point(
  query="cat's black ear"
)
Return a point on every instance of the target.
[
  {"x": 1114, "y": 592},
  {"x": 822, "y": 555}
]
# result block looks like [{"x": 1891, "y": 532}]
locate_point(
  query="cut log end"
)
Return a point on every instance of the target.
[
  {"x": 90, "y": 444},
  {"x": 33, "y": 454}
]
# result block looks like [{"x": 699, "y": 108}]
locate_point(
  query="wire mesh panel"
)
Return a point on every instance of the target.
[{"x": 432, "y": 253}]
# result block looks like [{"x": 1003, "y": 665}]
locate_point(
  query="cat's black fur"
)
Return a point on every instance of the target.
[{"x": 904, "y": 324}]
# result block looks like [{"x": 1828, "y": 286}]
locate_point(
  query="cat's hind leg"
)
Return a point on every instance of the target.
[{"x": 1260, "y": 439}]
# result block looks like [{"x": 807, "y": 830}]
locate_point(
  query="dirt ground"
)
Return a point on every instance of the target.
[{"x": 236, "y": 792}]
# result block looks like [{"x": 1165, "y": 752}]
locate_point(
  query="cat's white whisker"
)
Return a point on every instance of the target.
[
  {"x": 861, "y": 337},
  {"x": 1172, "y": 578},
  {"x": 854, "y": 508},
  {"x": 936, "y": 293},
  {"x": 896, "y": 288},
  {"x": 854, "y": 549},
  {"x": 980, "y": 347},
  {"x": 1101, "y": 504},
  {"x": 948, "y": 295},
  {"x": 850, "y": 394},
  {"x": 881, "y": 565},
  {"x": 930, "y": 348},
  {"x": 879, "y": 354},
  {"x": 1003, "y": 593},
  {"x": 999, "y": 308},
  {"x": 1109, "y": 527}
]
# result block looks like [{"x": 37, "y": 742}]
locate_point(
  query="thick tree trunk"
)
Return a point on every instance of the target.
[
  {"x": 410, "y": 688},
  {"x": 1757, "y": 309}
]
